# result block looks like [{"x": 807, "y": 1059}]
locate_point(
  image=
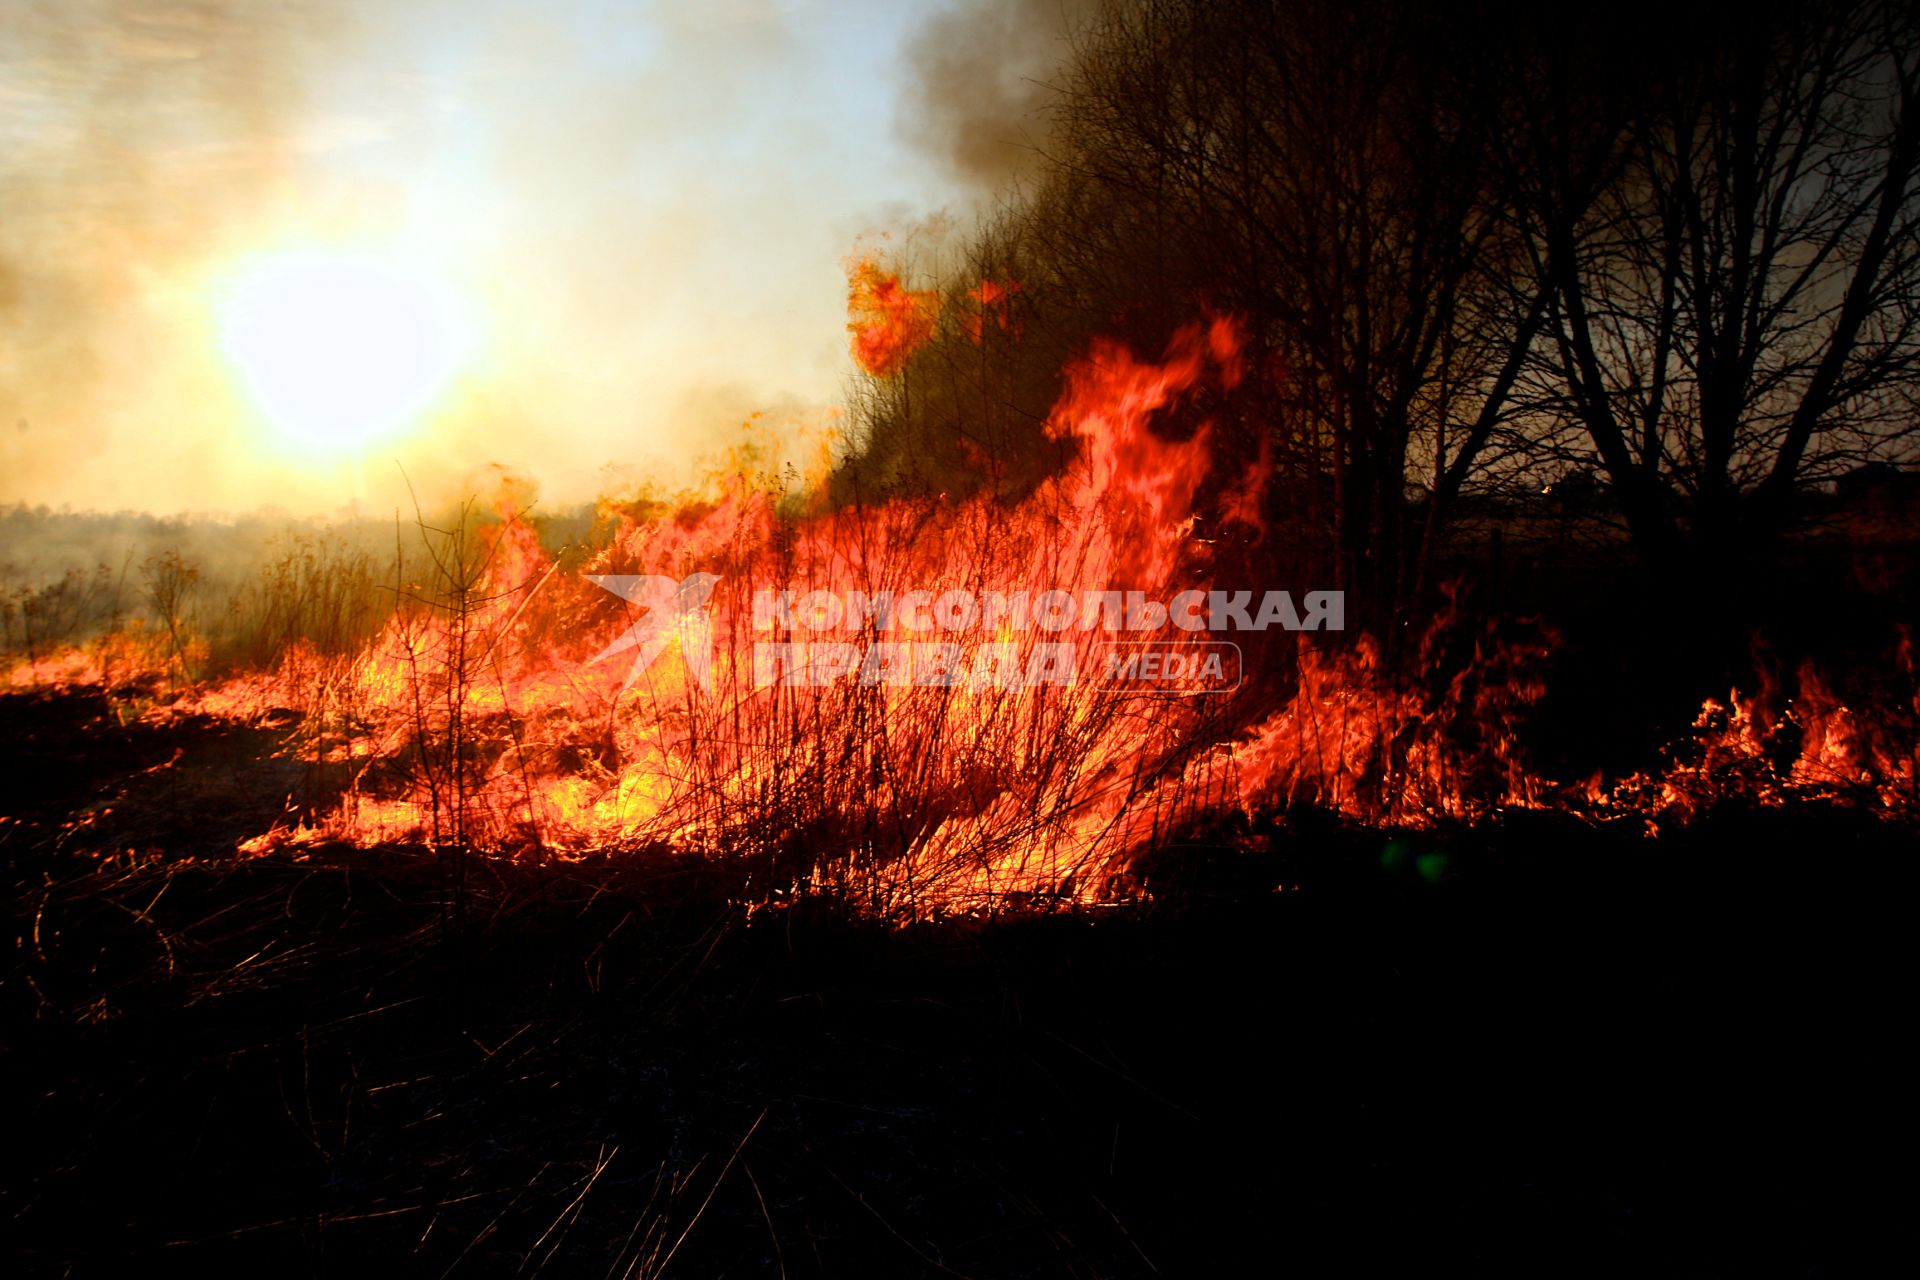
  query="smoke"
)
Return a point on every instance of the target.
[
  {"x": 979, "y": 79},
  {"x": 644, "y": 207},
  {"x": 136, "y": 139}
]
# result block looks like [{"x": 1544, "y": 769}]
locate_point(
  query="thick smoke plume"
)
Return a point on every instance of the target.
[{"x": 979, "y": 80}]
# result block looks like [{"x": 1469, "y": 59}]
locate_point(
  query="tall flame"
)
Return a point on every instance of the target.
[{"x": 476, "y": 718}]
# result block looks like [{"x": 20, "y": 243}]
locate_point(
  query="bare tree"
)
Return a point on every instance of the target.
[
  {"x": 1473, "y": 245},
  {"x": 1728, "y": 236},
  {"x": 1322, "y": 170}
]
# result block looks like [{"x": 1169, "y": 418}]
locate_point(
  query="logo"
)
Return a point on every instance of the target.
[
  {"x": 675, "y": 610},
  {"x": 998, "y": 640},
  {"x": 1198, "y": 666}
]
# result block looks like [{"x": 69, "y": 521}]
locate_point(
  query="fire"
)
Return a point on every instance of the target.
[
  {"x": 487, "y": 724},
  {"x": 992, "y": 299},
  {"x": 1794, "y": 738},
  {"x": 476, "y": 718},
  {"x": 889, "y": 321}
]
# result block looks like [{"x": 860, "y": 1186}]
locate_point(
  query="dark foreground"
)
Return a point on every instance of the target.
[{"x": 1564, "y": 1050}]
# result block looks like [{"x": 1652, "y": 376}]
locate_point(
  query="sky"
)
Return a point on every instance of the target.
[{"x": 634, "y": 213}]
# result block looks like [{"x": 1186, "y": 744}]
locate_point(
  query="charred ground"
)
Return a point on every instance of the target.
[{"x": 1539, "y": 1042}]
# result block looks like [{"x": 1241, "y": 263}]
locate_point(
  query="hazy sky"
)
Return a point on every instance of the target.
[{"x": 640, "y": 207}]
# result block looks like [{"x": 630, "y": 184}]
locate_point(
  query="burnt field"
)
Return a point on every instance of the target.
[
  {"x": 1536, "y": 1044},
  {"x": 1316, "y": 673}
]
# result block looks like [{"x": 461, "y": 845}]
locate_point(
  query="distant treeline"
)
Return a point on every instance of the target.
[{"x": 249, "y": 584}]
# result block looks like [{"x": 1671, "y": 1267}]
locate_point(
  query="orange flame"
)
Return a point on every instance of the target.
[
  {"x": 991, "y": 298},
  {"x": 477, "y": 717},
  {"x": 889, "y": 322}
]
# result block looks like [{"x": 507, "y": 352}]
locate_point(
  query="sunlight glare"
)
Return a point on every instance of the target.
[{"x": 337, "y": 349}]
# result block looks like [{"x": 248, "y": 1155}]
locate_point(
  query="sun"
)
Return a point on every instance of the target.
[{"x": 337, "y": 349}]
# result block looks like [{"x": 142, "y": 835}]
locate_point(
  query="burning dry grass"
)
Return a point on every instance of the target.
[
  {"x": 455, "y": 700},
  {"x": 1795, "y": 739}
]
